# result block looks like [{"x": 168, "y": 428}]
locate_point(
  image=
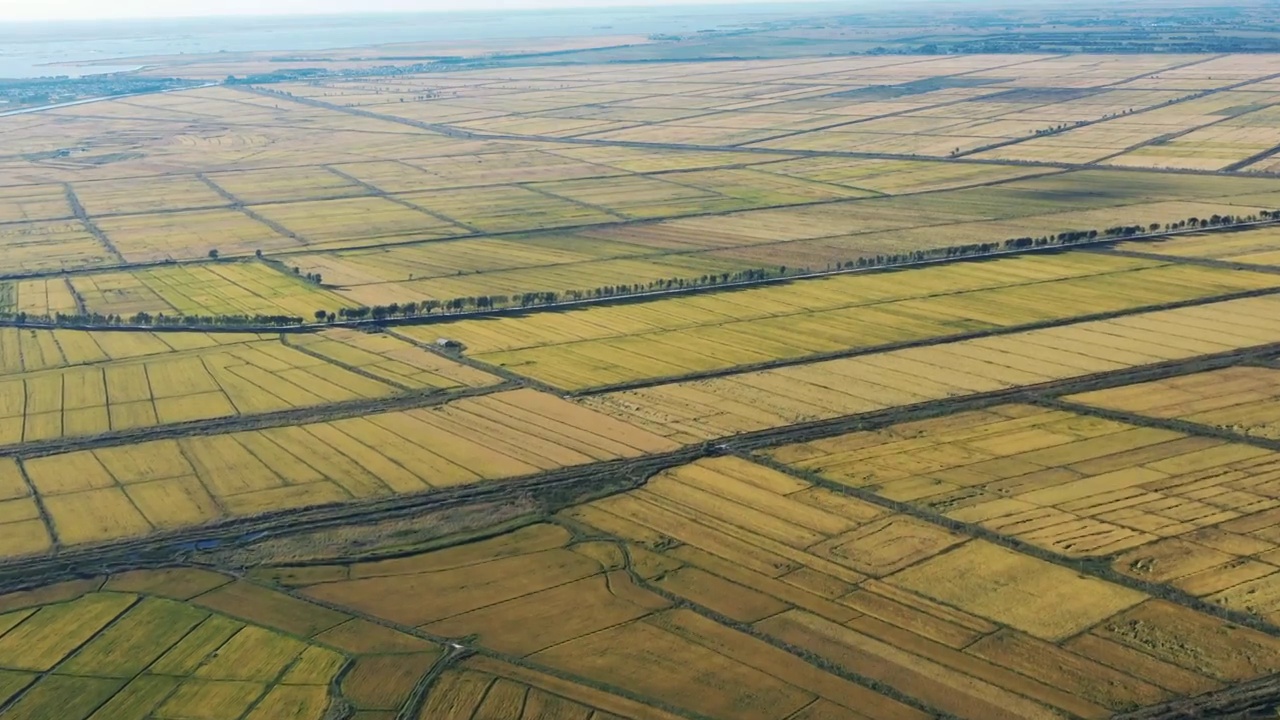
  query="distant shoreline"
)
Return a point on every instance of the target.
[{"x": 36, "y": 46}]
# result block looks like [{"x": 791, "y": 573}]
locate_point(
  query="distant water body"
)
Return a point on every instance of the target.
[{"x": 26, "y": 49}]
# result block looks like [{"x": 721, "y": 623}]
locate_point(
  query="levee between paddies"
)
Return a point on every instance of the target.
[{"x": 130, "y": 491}]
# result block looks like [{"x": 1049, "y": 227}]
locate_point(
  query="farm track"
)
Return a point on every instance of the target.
[
  {"x": 1180, "y": 426},
  {"x": 1241, "y": 165},
  {"x": 80, "y": 214},
  {"x": 380, "y": 193},
  {"x": 173, "y": 548},
  {"x": 239, "y": 205}
]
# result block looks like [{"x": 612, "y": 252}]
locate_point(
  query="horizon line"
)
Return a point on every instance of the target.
[{"x": 496, "y": 7}]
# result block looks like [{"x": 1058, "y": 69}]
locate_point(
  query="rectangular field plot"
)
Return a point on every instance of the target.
[
  {"x": 21, "y": 529},
  {"x": 191, "y": 235},
  {"x": 136, "y": 196},
  {"x": 354, "y": 221},
  {"x": 532, "y": 577},
  {"x": 242, "y": 288},
  {"x": 698, "y": 410},
  {"x": 520, "y": 165},
  {"x": 41, "y": 296},
  {"x": 1195, "y": 513},
  {"x": 583, "y": 276},
  {"x": 50, "y": 245},
  {"x": 508, "y": 208},
  {"x": 170, "y": 386},
  {"x": 28, "y": 350},
  {"x": 137, "y": 646},
  {"x": 643, "y": 197},
  {"x": 667, "y": 338},
  {"x": 1075, "y": 485},
  {"x": 896, "y": 177},
  {"x": 285, "y": 184},
  {"x": 664, "y": 254},
  {"x": 1216, "y": 146},
  {"x": 125, "y": 491},
  {"x": 27, "y": 203},
  {"x": 486, "y": 686},
  {"x": 954, "y": 623},
  {"x": 1259, "y": 246},
  {"x": 651, "y": 160},
  {"x": 1244, "y": 400},
  {"x": 392, "y": 360},
  {"x": 761, "y": 188},
  {"x": 391, "y": 267}
]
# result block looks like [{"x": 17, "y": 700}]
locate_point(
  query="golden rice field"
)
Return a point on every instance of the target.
[
  {"x": 191, "y": 235},
  {"x": 958, "y": 625},
  {"x": 496, "y": 266},
  {"x": 24, "y": 350},
  {"x": 186, "y": 643},
  {"x": 1238, "y": 399},
  {"x": 210, "y": 289},
  {"x": 1035, "y": 558},
  {"x": 39, "y": 297},
  {"x": 699, "y": 410},
  {"x": 1156, "y": 118},
  {"x": 815, "y": 236},
  {"x": 50, "y": 245},
  {"x": 138, "y": 196},
  {"x": 1192, "y": 512},
  {"x": 34, "y": 202},
  {"x": 1072, "y": 484},
  {"x": 356, "y": 221},
  {"x": 151, "y": 385},
  {"x": 673, "y": 337},
  {"x": 71, "y": 383},
  {"x": 1260, "y": 246},
  {"x": 130, "y": 491},
  {"x": 280, "y": 185},
  {"x": 389, "y": 359},
  {"x": 282, "y": 178},
  {"x": 723, "y": 565}
]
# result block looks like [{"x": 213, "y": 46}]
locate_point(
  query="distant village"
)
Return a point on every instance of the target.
[{"x": 16, "y": 94}]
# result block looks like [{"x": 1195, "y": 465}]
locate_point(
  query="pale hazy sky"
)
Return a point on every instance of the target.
[{"x": 96, "y": 9}]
